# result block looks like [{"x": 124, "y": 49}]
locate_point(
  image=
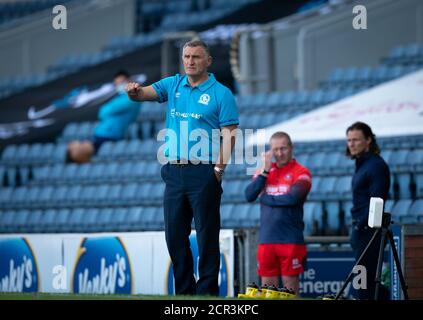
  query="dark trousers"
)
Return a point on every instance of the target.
[
  {"x": 359, "y": 240},
  {"x": 193, "y": 191}
]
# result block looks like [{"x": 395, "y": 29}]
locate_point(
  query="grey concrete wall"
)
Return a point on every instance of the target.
[
  {"x": 307, "y": 46},
  {"x": 32, "y": 46},
  {"x": 333, "y": 42}
]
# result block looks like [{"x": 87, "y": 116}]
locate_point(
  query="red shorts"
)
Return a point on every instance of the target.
[{"x": 281, "y": 259}]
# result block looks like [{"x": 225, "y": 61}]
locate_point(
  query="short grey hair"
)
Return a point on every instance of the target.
[
  {"x": 197, "y": 43},
  {"x": 280, "y": 135}
]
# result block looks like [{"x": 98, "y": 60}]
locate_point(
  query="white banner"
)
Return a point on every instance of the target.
[
  {"x": 121, "y": 263},
  {"x": 394, "y": 108}
]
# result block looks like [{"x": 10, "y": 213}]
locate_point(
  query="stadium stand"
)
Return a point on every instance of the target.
[{"x": 40, "y": 192}]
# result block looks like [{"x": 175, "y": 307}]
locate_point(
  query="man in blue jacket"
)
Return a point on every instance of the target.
[
  {"x": 371, "y": 179},
  {"x": 115, "y": 117}
]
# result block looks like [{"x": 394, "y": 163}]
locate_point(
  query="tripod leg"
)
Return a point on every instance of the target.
[
  {"x": 398, "y": 264},
  {"x": 351, "y": 275},
  {"x": 379, "y": 262}
]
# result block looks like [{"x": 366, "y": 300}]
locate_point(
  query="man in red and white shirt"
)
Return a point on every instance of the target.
[{"x": 282, "y": 187}]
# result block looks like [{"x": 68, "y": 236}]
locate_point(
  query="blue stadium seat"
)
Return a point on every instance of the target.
[
  {"x": 21, "y": 220},
  {"x": 330, "y": 163},
  {"x": 302, "y": 159},
  {"x": 79, "y": 195},
  {"x": 91, "y": 219},
  {"x": 157, "y": 192},
  {"x": 315, "y": 186},
  {"x": 76, "y": 220},
  {"x": 416, "y": 210},
  {"x": 34, "y": 221},
  {"x": 404, "y": 185},
  {"x": 226, "y": 215},
  {"x": 111, "y": 172},
  {"x": 105, "y": 151},
  {"x": 241, "y": 215},
  {"x": 326, "y": 188},
  {"x": 105, "y": 220},
  {"x": 401, "y": 208},
  {"x": 97, "y": 172},
  {"x": 143, "y": 193},
  {"x": 308, "y": 218},
  {"x": 2, "y": 175},
  {"x": 61, "y": 221},
  {"x": 5, "y": 196},
  {"x": 399, "y": 160},
  {"x": 11, "y": 174},
  {"x": 234, "y": 190},
  {"x": 60, "y": 195},
  {"x": 389, "y": 204},
  {"x": 273, "y": 100},
  {"x": 333, "y": 221},
  {"x": 130, "y": 194},
  {"x": 47, "y": 221},
  {"x": 24, "y": 175},
  {"x": 343, "y": 188},
  {"x": 33, "y": 199},
  {"x": 101, "y": 196},
  {"x": 119, "y": 219},
  {"x": 71, "y": 173},
  {"x": 146, "y": 129},
  {"x": 8, "y": 156},
  {"x": 70, "y": 132},
  {"x": 133, "y": 149},
  {"x": 41, "y": 174},
  {"x": 414, "y": 214},
  {"x": 45, "y": 196},
  {"x": 19, "y": 197},
  {"x": 315, "y": 212},
  {"x": 254, "y": 216},
  {"x": 346, "y": 208},
  {"x": 133, "y": 220},
  {"x": 7, "y": 219},
  {"x": 22, "y": 153},
  {"x": 58, "y": 153},
  {"x": 84, "y": 172},
  {"x": 55, "y": 173},
  {"x": 418, "y": 178},
  {"x": 316, "y": 162},
  {"x": 114, "y": 194},
  {"x": 415, "y": 160},
  {"x": 148, "y": 219}
]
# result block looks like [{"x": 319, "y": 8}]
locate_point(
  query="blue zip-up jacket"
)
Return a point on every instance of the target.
[
  {"x": 115, "y": 117},
  {"x": 371, "y": 179}
]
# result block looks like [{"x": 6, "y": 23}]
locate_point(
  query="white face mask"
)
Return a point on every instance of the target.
[{"x": 121, "y": 88}]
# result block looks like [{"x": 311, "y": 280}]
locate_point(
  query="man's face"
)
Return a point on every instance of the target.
[
  {"x": 282, "y": 151},
  {"x": 120, "y": 80},
  {"x": 196, "y": 61},
  {"x": 357, "y": 143}
]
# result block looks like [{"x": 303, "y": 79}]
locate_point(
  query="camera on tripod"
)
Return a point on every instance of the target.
[{"x": 380, "y": 220}]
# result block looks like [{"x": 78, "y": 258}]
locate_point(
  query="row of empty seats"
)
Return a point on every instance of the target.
[
  {"x": 327, "y": 181},
  {"x": 405, "y": 55},
  {"x": 111, "y": 219},
  {"x": 331, "y": 218},
  {"x": 320, "y": 162},
  {"x": 367, "y": 76},
  {"x": 140, "y": 183},
  {"x": 53, "y": 196}
]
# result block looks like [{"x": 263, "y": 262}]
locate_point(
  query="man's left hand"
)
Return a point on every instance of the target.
[{"x": 218, "y": 176}]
